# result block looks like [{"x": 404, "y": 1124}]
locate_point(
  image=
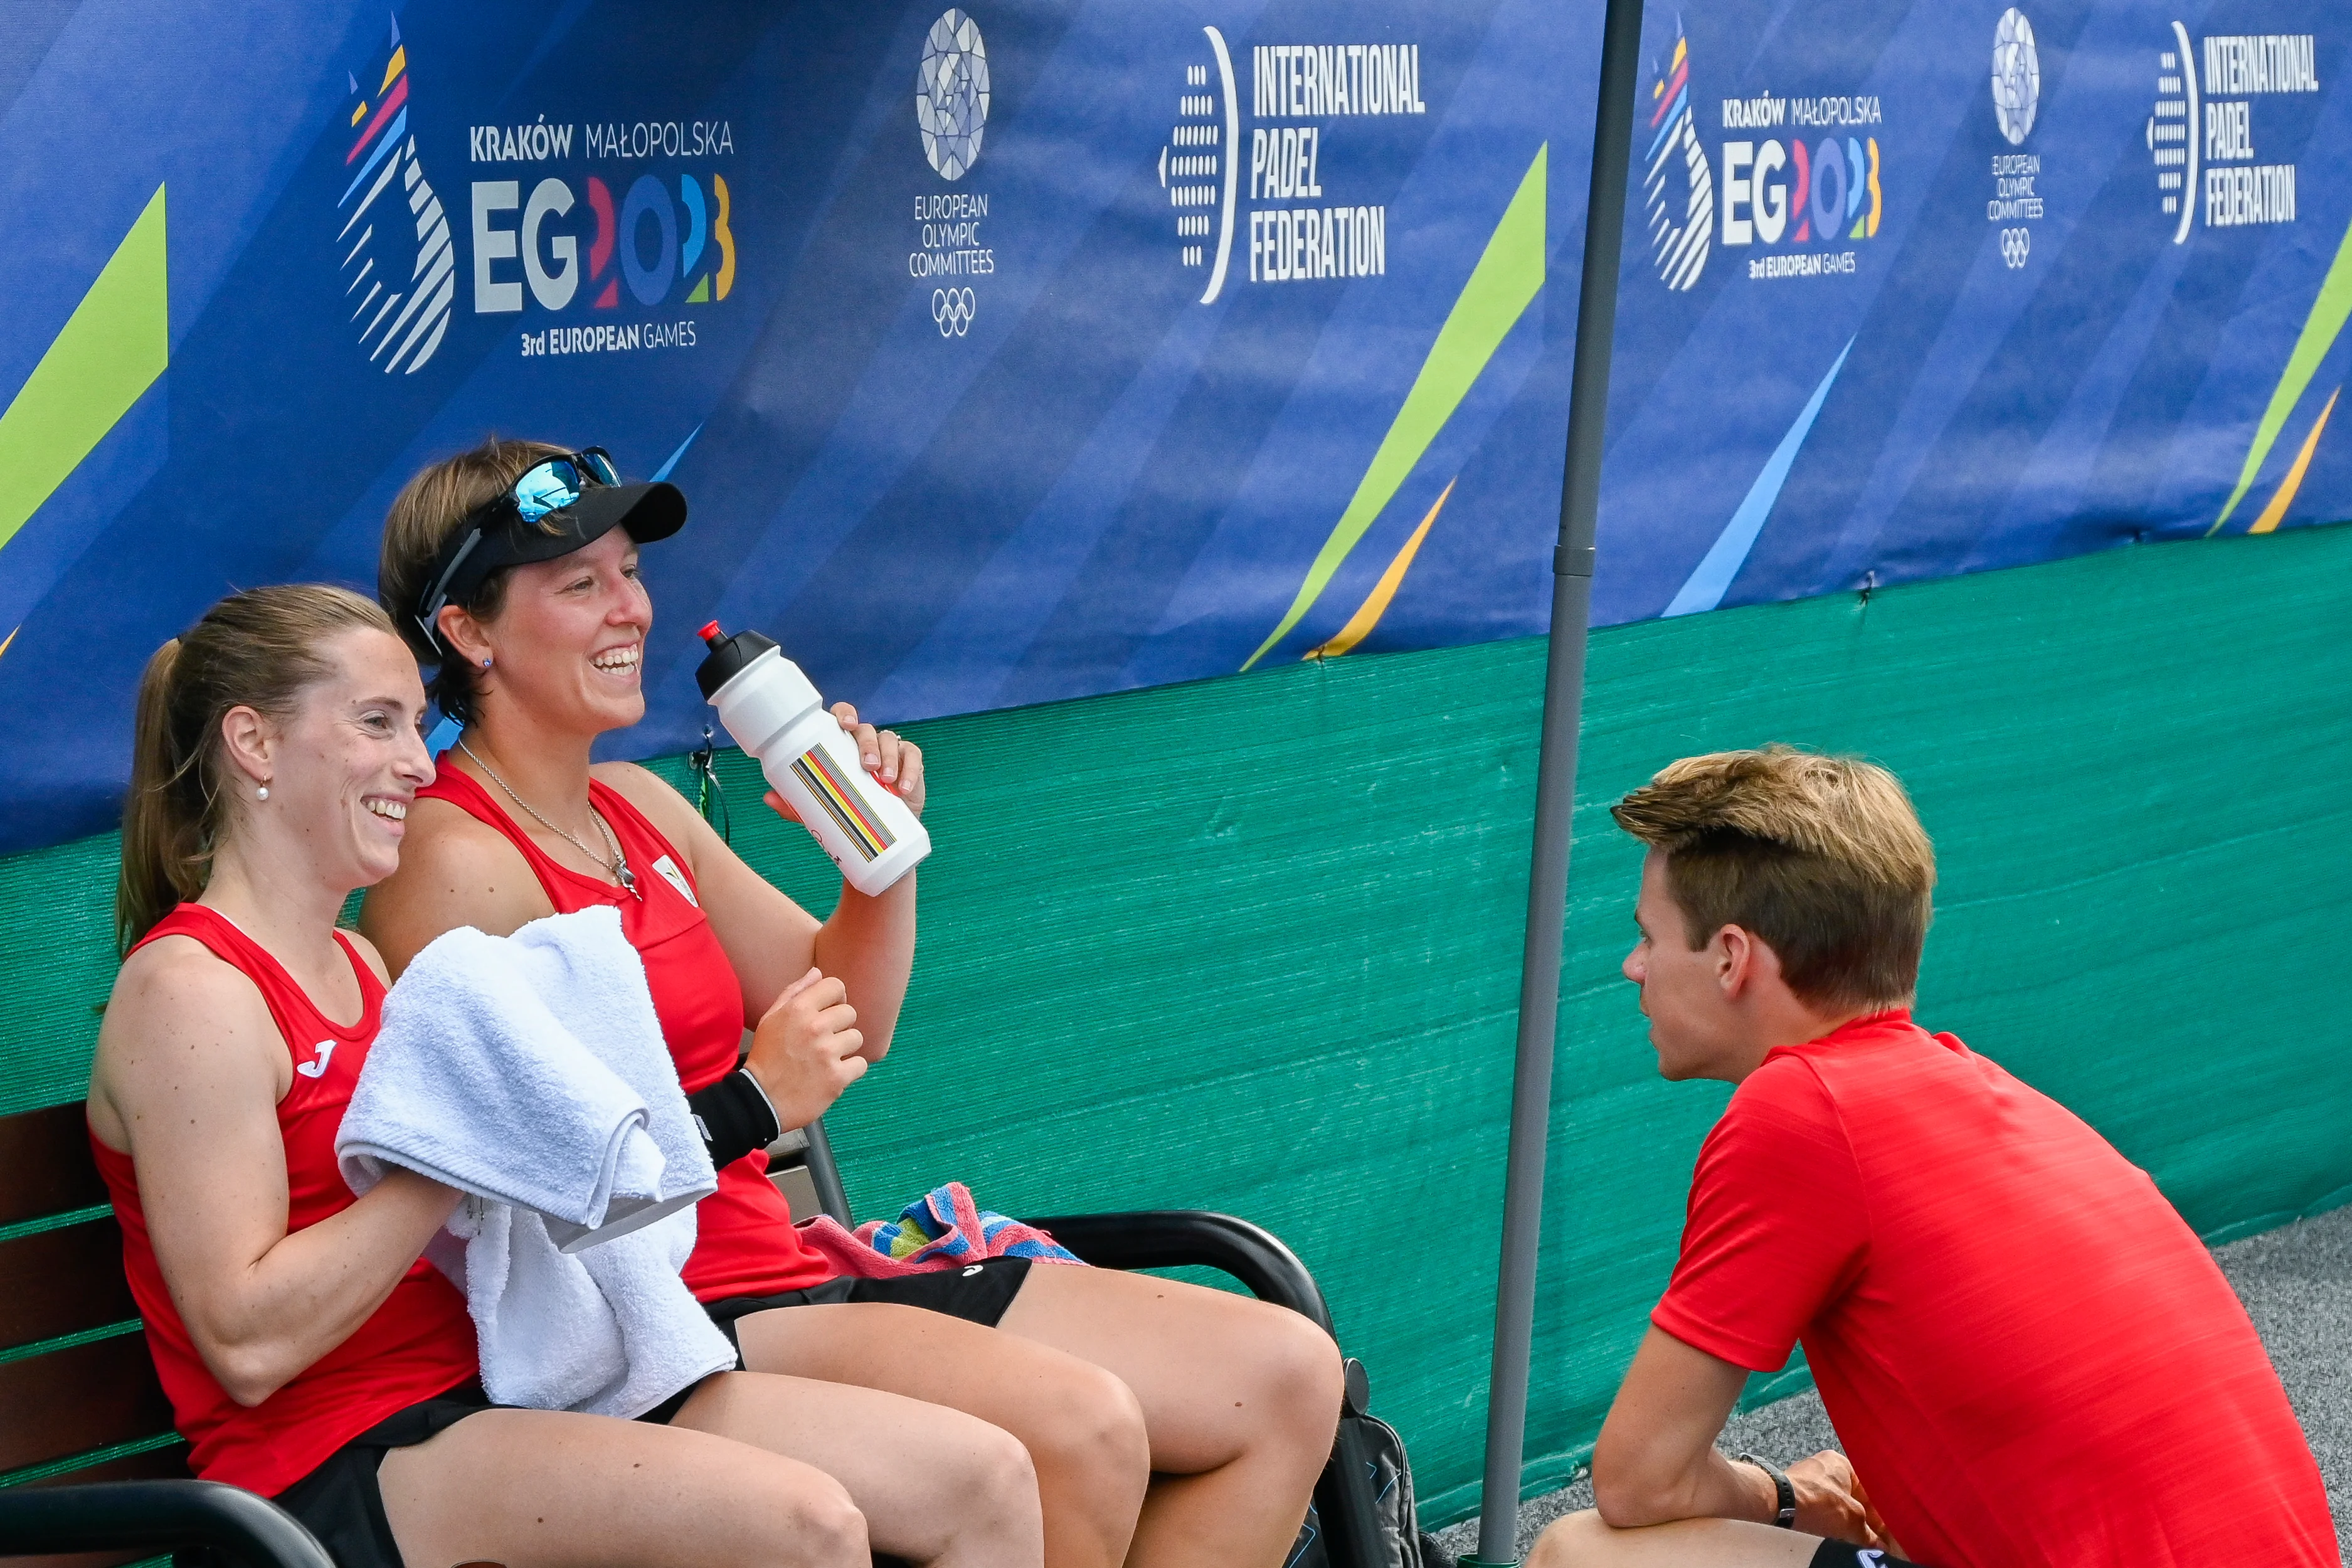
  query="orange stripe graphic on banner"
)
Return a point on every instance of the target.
[
  {"x": 1376, "y": 603},
  {"x": 2277, "y": 510}
]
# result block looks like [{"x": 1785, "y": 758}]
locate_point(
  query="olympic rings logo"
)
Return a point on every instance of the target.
[
  {"x": 2016, "y": 245},
  {"x": 953, "y": 309}
]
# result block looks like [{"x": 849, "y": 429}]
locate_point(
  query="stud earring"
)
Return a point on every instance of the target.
[
  {"x": 485, "y": 661},
  {"x": 261, "y": 793}
]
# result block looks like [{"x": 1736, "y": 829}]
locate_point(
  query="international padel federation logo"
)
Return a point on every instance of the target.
[{"x": 399, "y": 270}]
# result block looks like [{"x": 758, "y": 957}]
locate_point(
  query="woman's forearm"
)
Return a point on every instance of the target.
[
  {"x": 869, "y": 946},
  {"x": 312, "y": 1290}
]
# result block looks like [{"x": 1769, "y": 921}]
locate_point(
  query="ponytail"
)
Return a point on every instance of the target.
[
  {"x": 163, "y": 839},
  {"x": 258, "y": 649}
]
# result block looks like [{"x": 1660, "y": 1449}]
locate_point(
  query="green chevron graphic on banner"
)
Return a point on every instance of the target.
[
  {"x": 2329, "y": 314},
  {"x": 1508, "y": 276},
  {"x": 110, "y": 349}
]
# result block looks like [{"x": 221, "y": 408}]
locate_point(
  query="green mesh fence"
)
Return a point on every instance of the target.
[{"x": 1253, "y": 944}]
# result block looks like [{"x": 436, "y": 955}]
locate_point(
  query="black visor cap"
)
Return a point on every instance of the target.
[{"x": 648, "y": 511}]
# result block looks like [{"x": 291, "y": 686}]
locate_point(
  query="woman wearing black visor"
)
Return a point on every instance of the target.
[{"x": 1168, "y": 1423}]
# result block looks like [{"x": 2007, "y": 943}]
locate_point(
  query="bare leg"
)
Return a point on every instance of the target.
[
  {"x": 937, "y": 1486},
  {"x": 1081, "y": 1425},
  {"x": 1583, "y": 1541},
  {"x": 1240, "y": 1400},
  {"x": 540, "y": 1489}
]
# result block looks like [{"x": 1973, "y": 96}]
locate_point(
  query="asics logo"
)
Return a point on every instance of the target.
[
  {"x": 1870, "y": 1557},
  {"x": 326, "y": 1049},
  {"x": 953, "y": 309}
]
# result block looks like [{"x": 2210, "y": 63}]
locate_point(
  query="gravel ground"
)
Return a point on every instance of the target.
[{"x": 2296, "y": 1284}]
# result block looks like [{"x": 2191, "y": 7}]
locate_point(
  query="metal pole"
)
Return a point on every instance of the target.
[{"x": 1572, "y": 604}]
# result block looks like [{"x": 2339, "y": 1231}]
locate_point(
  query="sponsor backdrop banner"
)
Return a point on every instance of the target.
[{"x": 1033, "y": 350}]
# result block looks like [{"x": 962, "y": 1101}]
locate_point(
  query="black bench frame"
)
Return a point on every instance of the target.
[
  {"x": 125, "y": 1506},
  {"x": 1174, "y": 1238}
]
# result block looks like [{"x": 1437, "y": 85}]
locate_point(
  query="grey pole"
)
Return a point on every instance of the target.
[{"x": 1563, "y": 710}]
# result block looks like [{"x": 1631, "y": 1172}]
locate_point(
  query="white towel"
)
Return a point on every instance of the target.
[{"x": 530, "y": 1072}]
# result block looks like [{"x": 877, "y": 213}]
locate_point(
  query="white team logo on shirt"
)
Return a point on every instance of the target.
[
  {"x": 677, "y": 878},
  {"x": 325, "y": 1048}
]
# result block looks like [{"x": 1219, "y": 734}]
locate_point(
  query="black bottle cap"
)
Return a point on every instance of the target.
[{"x": 726, "y": 657}]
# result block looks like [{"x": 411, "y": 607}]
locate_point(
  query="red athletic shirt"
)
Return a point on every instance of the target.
[
  {"x": 745, "y": 1244},
  {"x": 2028, "y": 1356},
  {"x": 420, "y": 1342}
]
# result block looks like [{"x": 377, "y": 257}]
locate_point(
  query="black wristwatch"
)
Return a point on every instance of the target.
[{"x": 1784, "y": 1494}]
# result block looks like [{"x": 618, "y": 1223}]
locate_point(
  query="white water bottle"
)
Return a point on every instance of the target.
[{"x": 774, "y": 713}]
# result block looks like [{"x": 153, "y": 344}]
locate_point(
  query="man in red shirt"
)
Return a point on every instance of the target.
[{"x": 2029, "y": 1357}]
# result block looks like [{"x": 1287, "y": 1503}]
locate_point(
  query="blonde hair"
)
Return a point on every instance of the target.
[
  {"x": 429, "y": 508},
  {"x": 259, "y": 650},
  {"x": 1822, "y": 856}
]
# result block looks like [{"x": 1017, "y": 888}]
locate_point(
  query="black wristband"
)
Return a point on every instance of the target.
[
  {"x": 734, "y": 1117},
  {"x": 1784, "y": 1494}
]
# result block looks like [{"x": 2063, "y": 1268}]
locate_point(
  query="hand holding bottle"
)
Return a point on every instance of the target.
[
  {"x": 850, "y": 784},
  {"x": 888, "y": 755}
]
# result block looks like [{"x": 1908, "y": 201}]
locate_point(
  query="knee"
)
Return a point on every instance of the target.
[
  {"x": 1569, "y": 1541},
  {"x": 1002, "y": 1482},
  {"x": 1299, "y": 1380},
  {"x": 824, "y": 1528},
  {"x": 1097, "y": 1435}
]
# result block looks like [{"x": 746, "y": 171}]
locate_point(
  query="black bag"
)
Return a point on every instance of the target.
[{"x": 1372, "y": 1444}]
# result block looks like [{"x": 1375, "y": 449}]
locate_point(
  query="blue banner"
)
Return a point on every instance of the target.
[{"x": 1051, "y": 348}]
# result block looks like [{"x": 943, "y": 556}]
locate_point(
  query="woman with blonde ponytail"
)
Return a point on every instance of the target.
[
  {"x": 147, "y": 889},
  {"x": 308, "y": 1352}
]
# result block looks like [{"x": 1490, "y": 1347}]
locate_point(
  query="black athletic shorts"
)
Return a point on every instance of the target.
[
  {"x": 1845, "y": 1555},
  {"x": 977, "y": 1292},
  {"x": 340, "y": 1503}
]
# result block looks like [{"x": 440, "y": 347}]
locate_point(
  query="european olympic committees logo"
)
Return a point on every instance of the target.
[
  {"x": 952, "y": 97},
  {"x": 2016, "y": 98},
  {"x": 400, "y": 269},
  {"x": 2016, "y": 75},
  {"x": 951, "y": 94},
  {"x": 1678, "y": 239}
]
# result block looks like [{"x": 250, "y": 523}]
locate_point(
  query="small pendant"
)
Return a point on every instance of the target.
[{"x": 629, "y": 881}]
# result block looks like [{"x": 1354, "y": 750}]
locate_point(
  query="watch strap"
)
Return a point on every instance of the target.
[{"x": 1784, "y": 1494}]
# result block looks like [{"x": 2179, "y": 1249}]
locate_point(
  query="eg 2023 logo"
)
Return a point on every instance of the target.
[
  {"x": 668, "y": 241},
  {"x": 1812, "y": 180},
  {"x": 626, "y": 236}
]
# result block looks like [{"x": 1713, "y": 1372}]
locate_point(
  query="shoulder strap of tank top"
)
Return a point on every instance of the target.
[
  {"x": 462, "y": 791},
  {"x": 638, "y": 836},
  {"x": 372, "y": 990},
  {"x": 298, "y": 1017},
  {"x": 466, "y": 793}
]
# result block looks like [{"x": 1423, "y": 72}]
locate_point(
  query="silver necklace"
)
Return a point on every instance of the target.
[{"x": 618, "y": 865}]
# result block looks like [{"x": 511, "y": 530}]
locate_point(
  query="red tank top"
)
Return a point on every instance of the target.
[
  {"x": 420, "y": 1342},
  {"x": 745, "y": 1244}
]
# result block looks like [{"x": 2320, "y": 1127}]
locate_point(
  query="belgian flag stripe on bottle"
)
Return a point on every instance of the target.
[{"x": 841, "y": 799}]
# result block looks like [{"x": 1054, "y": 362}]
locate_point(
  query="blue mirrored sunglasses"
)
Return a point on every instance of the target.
[
  {"x": 556, "y": 483},
  {"x": 543, "y": 488}
]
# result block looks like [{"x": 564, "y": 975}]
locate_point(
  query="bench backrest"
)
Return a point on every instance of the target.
[
  {"x": 800, "y": 1165},
  {"x": 79, "y": 1396}
]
